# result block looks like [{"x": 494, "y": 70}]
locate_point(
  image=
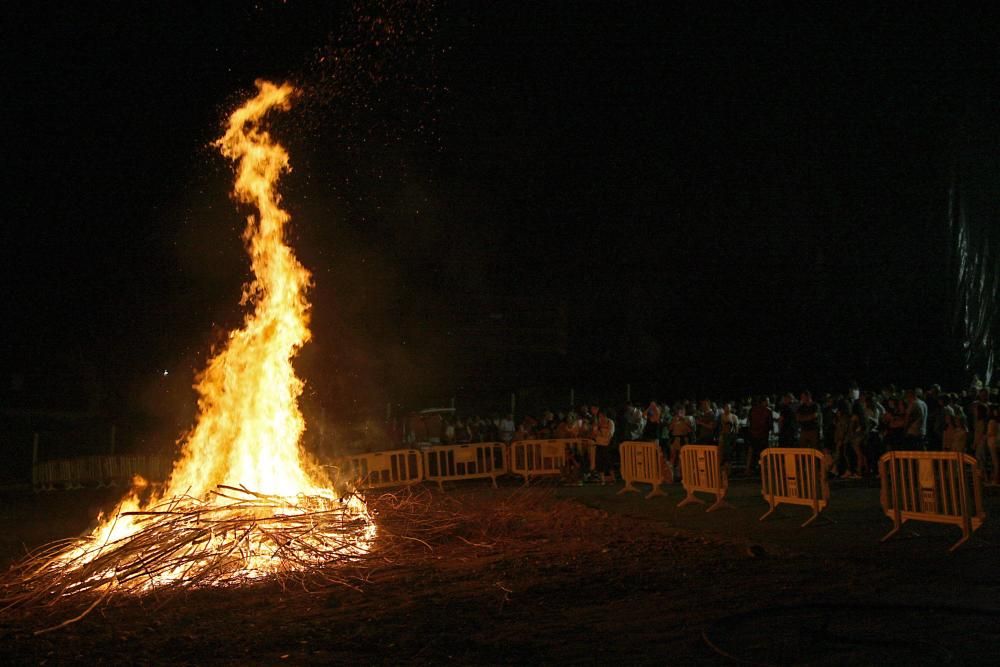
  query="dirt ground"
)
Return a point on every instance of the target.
[{"x": 587, "y": 577}]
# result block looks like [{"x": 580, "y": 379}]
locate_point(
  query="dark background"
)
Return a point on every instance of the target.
[{"x": 492, "y": 197}]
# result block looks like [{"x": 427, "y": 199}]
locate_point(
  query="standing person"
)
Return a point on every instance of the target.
[
  {"x": 680, "y": 433},
  {"x": 706, "y": 422},
  {"x": 992, "y": 443},
  {"x": 873, "y": 417},
  {"x": 652, "y": 430},
  {"x": 980, "y": 420},
  {"x": 894, "y": 422},
  {"x": 729, "y": 426},
  {"x": 915, "y": 429},
  {"x": 827, "y": 411},
  {"x": 634, "y": 422},
  {"x": 506, "y": 428},
  {"x": 958, "y": 438},
  {"x": 858, "y": 437},
  {"x": 841, "y": 434},
  {"x": 761, "y": 420},
  {"x": 935, "y": 418},
  {"x": 788, "y": 435},
  {"x": 435, "y": 427},
  {"x": 808, "y": 418}
]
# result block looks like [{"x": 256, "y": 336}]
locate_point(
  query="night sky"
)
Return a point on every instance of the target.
[{"x": 497, "y": 195}]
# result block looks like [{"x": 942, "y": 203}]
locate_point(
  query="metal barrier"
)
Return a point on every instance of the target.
[
  {"x": 484, "y": 460},
  {"x": 97, "y": 471},
  {"x": 702, "y": 470},
  {"x": 537, "y": 458},
  {"x": 794, "y": 476},
  {"x": 643, "y": 462},
  {"x": 939, "y": 487},
  {"x": 376, "y": 470}
]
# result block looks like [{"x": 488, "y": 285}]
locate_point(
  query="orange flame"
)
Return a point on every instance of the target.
[{"x": 249, "y": 427}]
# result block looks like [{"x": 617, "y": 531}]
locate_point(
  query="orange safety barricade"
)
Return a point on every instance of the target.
[
  {"x": 794, "y": 476},
  {"x": 537, "y": 458},
  {"x": 702, "y": 470},
  {"x": 584, "y": 445},
  {"x": 643, "y": 462},
  {"x": 376, "y": 470},
  {"x": 97, "y": 471},
  {"x": 940, "y": 487},
  {"x": 482, "y": 460}
]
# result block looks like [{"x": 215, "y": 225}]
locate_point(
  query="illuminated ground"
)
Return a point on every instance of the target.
[{"x": 598, "y": 577}]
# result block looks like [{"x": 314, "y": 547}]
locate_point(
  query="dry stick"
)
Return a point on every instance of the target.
[{"x": 70, "y": 621}]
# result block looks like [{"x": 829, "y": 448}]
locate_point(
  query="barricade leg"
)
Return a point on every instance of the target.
[
  {"x": 889, "y": 486},
  {"x": 965, "y": 538},
  {"x": 628, "y": 488},
  {"x": 817, "y": 514},
  {"x": 720, "y": 503},
  {"x": 769, "y": 512},
  {"x": 895, "y": 529},
  {"x": 691, "y": 499},
  {"x": 657, "y": 491}
]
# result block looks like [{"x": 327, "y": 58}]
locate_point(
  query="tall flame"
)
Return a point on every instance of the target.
[{"x": 250, "y": 425}]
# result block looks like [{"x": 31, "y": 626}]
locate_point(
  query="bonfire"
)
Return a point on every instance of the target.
[{"x": 244, "y": 501}]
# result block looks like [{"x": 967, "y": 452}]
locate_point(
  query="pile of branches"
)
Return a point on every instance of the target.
[
  {"x": 234, "y": 537},
  {"x": 238, "y": 537}
]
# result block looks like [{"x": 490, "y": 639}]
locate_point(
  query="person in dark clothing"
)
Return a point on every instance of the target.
[
  {"x": 809, "y": 419},
  {"x": 760, "y": 422},
  {"x": 788, "y": 431}
]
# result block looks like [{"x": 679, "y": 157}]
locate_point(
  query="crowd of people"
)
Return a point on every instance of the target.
[{"x": 853, "y": 428}]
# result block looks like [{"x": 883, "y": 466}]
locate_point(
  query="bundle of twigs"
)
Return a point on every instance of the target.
[{"x": 233, "y": 537}]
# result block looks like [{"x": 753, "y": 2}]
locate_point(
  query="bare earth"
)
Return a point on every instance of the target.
[{"x": 586, "y": 576}]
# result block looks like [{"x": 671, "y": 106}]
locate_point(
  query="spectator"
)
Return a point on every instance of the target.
[
  {"x": 416, "y": 429},
  {"x": 841, "y": 434},
  {"x": 680, "y": 434},
  {"x": 462, "y": 433},
  {"x": 634, "y": 422},
  {"x": 935, "y": 418},
  {"x": 858, "y": 437},
  {"x": 893, "y": 424},
  {"x": 506, "y": 428},
  {"x": 957, "y": 435},
  {"x": 729, "y": 425},
  {"x": 706, "y": 422},
  {"x": 761, "y": 420},
  {"x": 808, "y": 418},
  {"x": 980, "y": 423},
  {"x": 873, "y": 417},
  {"x": 652, "y": 430},
  {"x": 435, "y": 427},
  {"x": 992, "y": 443},
  {"x": 827, "y": 412},
  {"x": 915, "y": 430},
  {"x": 788, "y": 435}
]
